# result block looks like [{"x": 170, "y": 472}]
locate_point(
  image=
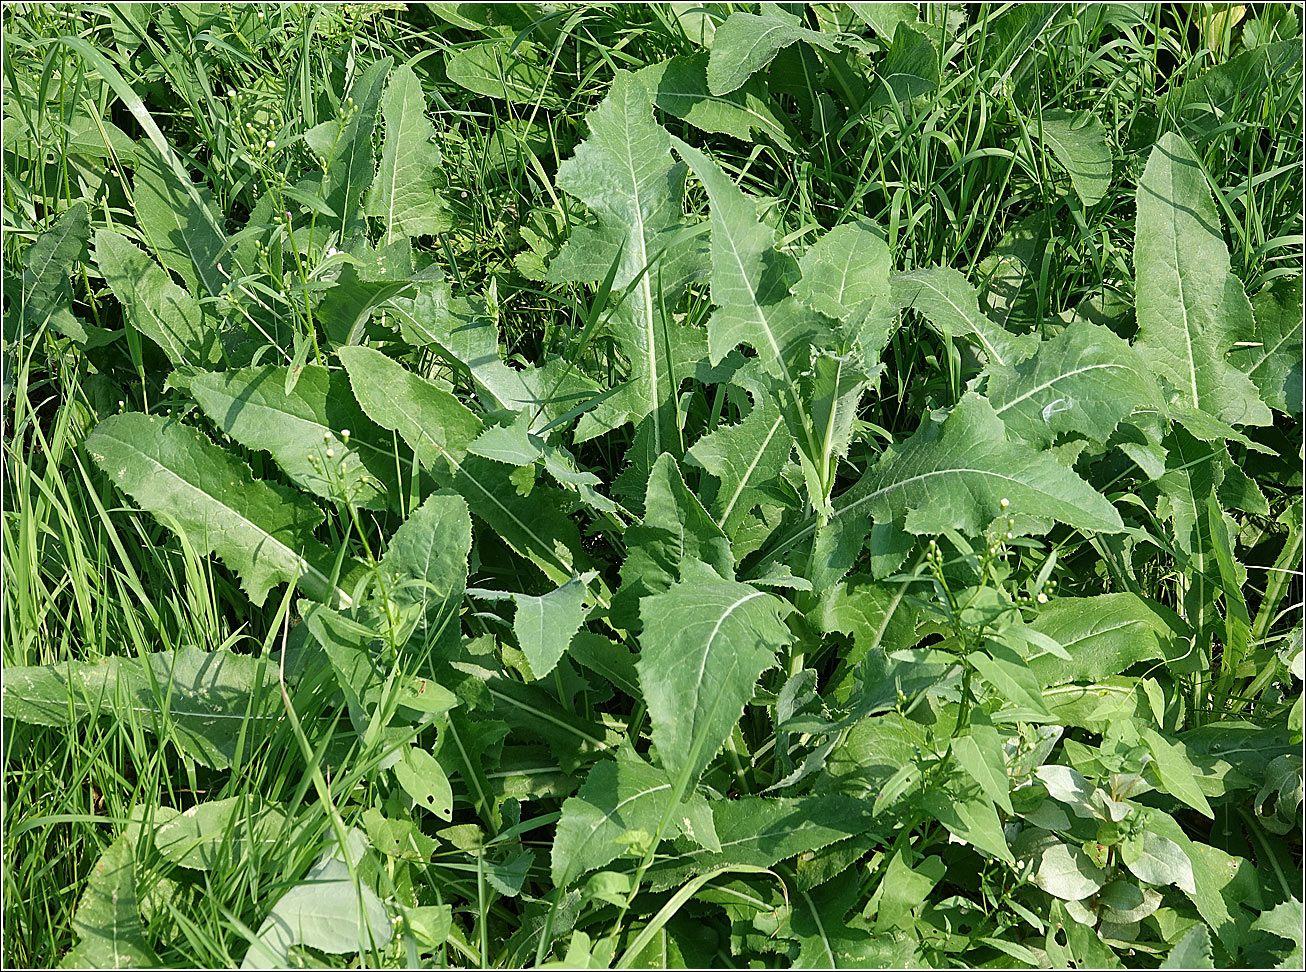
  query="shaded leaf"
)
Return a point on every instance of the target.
[{"x": 107, "y": 919}]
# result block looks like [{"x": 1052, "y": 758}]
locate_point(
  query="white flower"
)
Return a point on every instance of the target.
[
  {"x": 231, "y": 92},
  {"x": 271, "y": 144},
  {"x": 1042, "y": 598}
]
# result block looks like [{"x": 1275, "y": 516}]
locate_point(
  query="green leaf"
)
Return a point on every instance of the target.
[
  {"x": 261, "y": 530},
  {"x": 955, "y": 474},
  {"x": 1084, "y": 380},
  {"x": 462, "y": 329},
  {"x": 612, "y": 660},
  {"x": 744, "y": 458},
  {"x": 1271, "y": 353},
  {"x": 1067, "y": 873},
  {"x": 679, "y": 87},
  {"x": 423, "y": 779},
  {"x": 905, "y": 889},
  {"x": 1211, "y": 98},
  {"x": 761, "y": 831},
  {"x": 1193, "y": 951},
  {"x": 1192, "y": 474},
  {"x": 212, "y": 833},
  {"x": 980, "y": 755},
  {"x": 1178, "y": 774},
  {"x": 329, "y": 910},
  {"x": 620, "y": 797},
  {"x": 345, "y": 147},
  {"x": 844, "y": 269},
  {"x": 298, "y": 428},
  {"x": 1285, "y": 921},
  {"x": 910, "y": 69},
  {"x": 1123, "y": 901},
  {"x": 546, "y": 624},
  {"x": 501, "y": 69},
  {"x": 177, "y": 221},
  {"x": 705, "y": 642},
  {"x": 107, "y": 919},
  {"x": 1007, "y": 672},
  {"x": 1010, "y": 273},
  {"x": 877, "y": 616},
  {"x": 154, "y": 305},
  {"x": 972, "y": 820},
  {"x": 751, "y": 279},
  {"x": 820, "y": 417},
  {"x": 1191, "y": 308},
  {"x": 425, "y": 564},
  {"x": 403, "y": 195},
  {"x": 625, "y": 174},
  {"x": 675, "y": 529},
  {"x": 746, "y": 43},
  {"x": 1158, "y": 860},
  {"x": 430, "y": 419},
  {"x": 1078, "y": 140},
  {"x": 536, "y": 526},
  {"x": 47, "y": 263},
  {"x": 947, "y": 300},
  {"x": 214, "y": 705},
  {"x": 1067, "y": 785},
  {"x": 884, "y": 18},
  {"x": 1104, "y": 636}
]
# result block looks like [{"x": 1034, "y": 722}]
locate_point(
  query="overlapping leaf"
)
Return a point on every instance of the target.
[
  {"x": 625, "y": 174},
  {"x": 263, "y": 531},
  {"x": 1191, "y": 308},
  {"x": 705, "y": 642}
]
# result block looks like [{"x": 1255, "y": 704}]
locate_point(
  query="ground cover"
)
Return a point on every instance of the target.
[{"x": 500, "y": 485}]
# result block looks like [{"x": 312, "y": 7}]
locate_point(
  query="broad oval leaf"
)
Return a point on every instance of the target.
[
  {"x": 328, "y": 910},
  {"x": 1067, "y": 873}
]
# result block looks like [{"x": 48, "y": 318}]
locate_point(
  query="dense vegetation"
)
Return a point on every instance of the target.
[{"x": 652, "y": 486}]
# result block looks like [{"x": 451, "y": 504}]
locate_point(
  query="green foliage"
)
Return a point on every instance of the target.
[{"x": 741, "y": 486}]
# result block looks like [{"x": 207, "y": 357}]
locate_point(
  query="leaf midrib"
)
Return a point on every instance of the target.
[{"x": 312, "y": 571}]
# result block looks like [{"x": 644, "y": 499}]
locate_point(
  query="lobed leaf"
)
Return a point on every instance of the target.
[{"x": 261, "y": 530}]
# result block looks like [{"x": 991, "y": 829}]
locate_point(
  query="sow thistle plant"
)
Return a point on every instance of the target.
[{"x": 678, "y": 636}]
